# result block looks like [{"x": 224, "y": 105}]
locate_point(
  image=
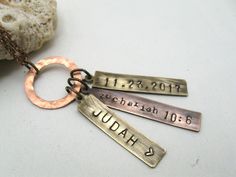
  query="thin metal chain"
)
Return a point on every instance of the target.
[{"x": 14, "y": 50}]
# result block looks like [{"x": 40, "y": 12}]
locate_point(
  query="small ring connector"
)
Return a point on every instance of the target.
[
  {"x": 88, "y": 77},
  {"x": 30, "y": 65},
  {"x": 83, "y": 89},
  {"x": 70, "y": 89}
]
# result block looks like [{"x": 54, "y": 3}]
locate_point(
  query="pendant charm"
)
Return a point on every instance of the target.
[
  {"x": 140, "y": 84},
  {"x": 149, "y": 109},
  {"x": 125, "y": 135}
]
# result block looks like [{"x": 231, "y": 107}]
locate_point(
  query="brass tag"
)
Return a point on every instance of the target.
[
  {"x": 135, "y": 142},
  {"x": 150, "y": 109},
  {"x": 142, "y": 84}
]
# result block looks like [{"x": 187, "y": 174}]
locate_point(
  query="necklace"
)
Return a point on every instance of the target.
[{"x": 95, "y": 93}]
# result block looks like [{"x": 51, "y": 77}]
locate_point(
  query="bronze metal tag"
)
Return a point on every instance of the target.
[
  {"x": 143, "y": 84},
  {"x": 149, "y": 109},
  {"x": 125, "y": 135}
]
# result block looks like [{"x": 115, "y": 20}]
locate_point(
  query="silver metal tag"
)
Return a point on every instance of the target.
[
  {"x": 125, "y": 135},
  {"x": 142, "y": 84},
  {"x": 149, "y": 109}
]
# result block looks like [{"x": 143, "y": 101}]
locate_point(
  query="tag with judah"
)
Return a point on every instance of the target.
[
  {"x": 120, "y": 131},
  {"x": 140, "y": 84}
]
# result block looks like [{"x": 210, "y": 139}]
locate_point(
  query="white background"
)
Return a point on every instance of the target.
[{"x": 193, "y": 40}]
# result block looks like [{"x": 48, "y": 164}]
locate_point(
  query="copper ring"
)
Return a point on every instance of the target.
[{"x": 31, "y": 76}]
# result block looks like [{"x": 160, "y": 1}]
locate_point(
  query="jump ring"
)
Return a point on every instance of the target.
[
  {"x": 78, "y": 80},
  {"x": 30, "y": 65},
  {"x": 88, "y": 76}
]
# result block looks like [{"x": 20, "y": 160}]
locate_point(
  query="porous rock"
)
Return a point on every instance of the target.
[{"x": 30, "y": 22}]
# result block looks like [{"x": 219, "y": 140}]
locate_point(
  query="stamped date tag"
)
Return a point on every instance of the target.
[
  {"x": 125, "y": 135},
  {"x": 150, "y": 109},
  {"x": 142, "y": 84}
]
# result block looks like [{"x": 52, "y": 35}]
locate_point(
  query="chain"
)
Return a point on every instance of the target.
[{"x": 14, "y": 50}]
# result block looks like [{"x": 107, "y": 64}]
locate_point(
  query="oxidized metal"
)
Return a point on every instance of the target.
[
  {"x": 125, "y": 135},
  {"x": 31, "y": 76},
  {"x": 14, "y": 50},
  {"x": 143, "y": 84},
  {"x": 150, "y": 109}
]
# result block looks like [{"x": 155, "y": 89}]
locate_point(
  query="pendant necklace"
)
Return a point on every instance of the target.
[{"x": 95, "y": 93}]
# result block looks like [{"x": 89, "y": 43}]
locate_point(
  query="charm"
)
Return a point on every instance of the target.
[
  {"x": 140, "y": 84},
  {"x": 149, "y": 109},
  {"x": 98, "y": 113},
  {"x": 125, "y": 135}
]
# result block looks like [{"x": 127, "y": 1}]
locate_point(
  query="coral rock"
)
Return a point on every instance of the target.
[{"x": 30, "y": 22}]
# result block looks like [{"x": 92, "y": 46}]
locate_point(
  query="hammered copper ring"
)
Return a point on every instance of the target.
[{"x": 31, "y": 76}]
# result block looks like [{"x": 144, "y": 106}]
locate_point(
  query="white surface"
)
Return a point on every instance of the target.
[{"x": 195, "y": 40}]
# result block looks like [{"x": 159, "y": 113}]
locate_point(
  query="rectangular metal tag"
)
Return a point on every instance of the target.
[
  {"x": 149, "y": 109},
  {"x": 142, "y": 84},
  {"x": 125, "y": 135}
]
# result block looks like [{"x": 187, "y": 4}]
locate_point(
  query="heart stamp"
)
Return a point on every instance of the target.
[{"x": 150, "y": 152}]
